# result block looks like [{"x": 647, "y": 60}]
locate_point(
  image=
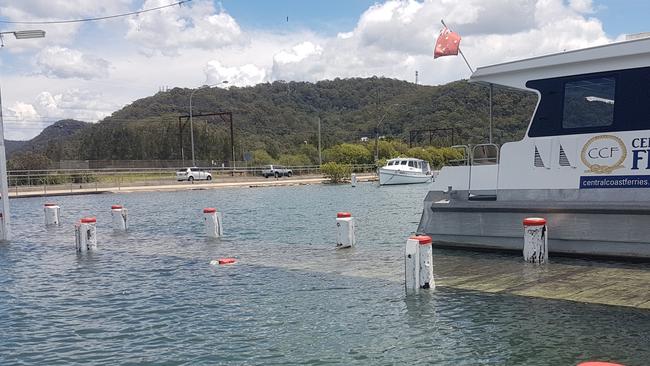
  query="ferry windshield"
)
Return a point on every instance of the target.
[{"x": 592, "y": 103}]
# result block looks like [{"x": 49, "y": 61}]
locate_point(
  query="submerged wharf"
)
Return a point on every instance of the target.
[
  {"x": 591, "y": 281},
  {"x": 588, "y": 281}
]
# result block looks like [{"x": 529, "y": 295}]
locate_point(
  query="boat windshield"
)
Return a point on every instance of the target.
[
  {"x": 390, "y": 163},
  {"x": 411, "y": 163}
]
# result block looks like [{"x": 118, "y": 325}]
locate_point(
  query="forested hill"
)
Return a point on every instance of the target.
[
  {"x": 281, "y": 117},
  {"x": 48, "y": 140}
]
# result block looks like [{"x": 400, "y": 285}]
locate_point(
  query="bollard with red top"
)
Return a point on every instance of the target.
[
  {"x": 418, "y": 263},
  {"x": 535, "y": 240},
  {"x": 213, "y": 222},
  {"x": 345, "y": 237},
  {"x": 119, "y": 214},
  {"x": 86, "y": 234},
  {"x": 52, "y": 213}
]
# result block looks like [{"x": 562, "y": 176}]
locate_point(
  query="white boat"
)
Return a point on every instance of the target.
[
  {"x": 583, "y": 164},
  {"x": 405, "y": 171}
]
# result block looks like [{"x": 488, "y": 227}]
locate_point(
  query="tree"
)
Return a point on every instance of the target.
[
  {"x": 336, "y": 172},
  {"x": 261, "y": 157},
  {"x": 29, "y": 161},
  {"x": 294, "y": 160},
  {"x": 348, "y": 154}
]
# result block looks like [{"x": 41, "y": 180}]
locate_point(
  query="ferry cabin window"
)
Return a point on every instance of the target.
[
  {"x": 403, "y": 162},
  {"x": 589, "y": 102},
  {"x": 592, "y": 103}
]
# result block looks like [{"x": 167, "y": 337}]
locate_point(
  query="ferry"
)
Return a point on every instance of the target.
[
  {"x": 405, "y": 171},
  {"x": 583, "y": 164}
]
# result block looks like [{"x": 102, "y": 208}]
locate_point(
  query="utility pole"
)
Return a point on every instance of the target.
[
  {"x": 5, "y": 217},
  {"x": 377, "y": 129},
  {"x": 491, "y": 87},
  {"x": 320, "y": 157}
]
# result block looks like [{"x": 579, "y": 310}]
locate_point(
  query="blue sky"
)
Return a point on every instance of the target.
[
  {"x": 87, "y": 71},
  {"x": 328, "y": 17},
  {"x": 623, "y": 16}
]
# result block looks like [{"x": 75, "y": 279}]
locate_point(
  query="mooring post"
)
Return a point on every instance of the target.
[
  {"x": 418, "y": 263},
  {"x": 52, "y": 213},
  {"x": 212, "y": 219},
  {"x": 119, "y": 215},
  {"x": 345, "y": 236},
  {"x": 535, "y": 240},
  {"x": 86, "y": 234}
]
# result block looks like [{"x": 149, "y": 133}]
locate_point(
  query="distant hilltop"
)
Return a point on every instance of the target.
[{"x": 280, "y": 117}]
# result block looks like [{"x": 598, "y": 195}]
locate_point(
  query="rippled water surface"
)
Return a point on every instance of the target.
[{"x": 151, "y": 296}]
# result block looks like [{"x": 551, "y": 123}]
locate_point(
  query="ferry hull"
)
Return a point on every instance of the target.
[
  {"x": 608, "y": 229},
  {"x": 392, "y": 177}
]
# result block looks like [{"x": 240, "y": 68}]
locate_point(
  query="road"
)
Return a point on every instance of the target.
[{"x": 221, "y": 182}]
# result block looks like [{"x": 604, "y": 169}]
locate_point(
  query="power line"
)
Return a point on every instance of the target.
[{"x": 98, "y": 18}]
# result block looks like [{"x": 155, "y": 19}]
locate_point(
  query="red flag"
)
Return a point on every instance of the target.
[{"x": 447, "y": 43}]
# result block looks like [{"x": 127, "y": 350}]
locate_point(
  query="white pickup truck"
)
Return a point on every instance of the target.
[
  {"x": 276, "y": 171},
  {"x": 192, "y": 174}
]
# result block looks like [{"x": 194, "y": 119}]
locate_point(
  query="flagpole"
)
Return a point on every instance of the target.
[{"x": 459, "y": 50}]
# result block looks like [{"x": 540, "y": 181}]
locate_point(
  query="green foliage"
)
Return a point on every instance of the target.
[
  {"x": 348, "y": 154},
  {"x": 261, "y": 157},
  {"x": 294, "y": 160},
  {"x": 381, "y": 162},
  {"x": 279, "y": 117},
  {"x": 449, "y": 154},
  {"x": 420, "y": 153},
  {"x": 28, "y": 161},
  {"x": 386, "y": 150},
  {"x": 336, "y": 172},
  {"x": 310, "y": 151}
]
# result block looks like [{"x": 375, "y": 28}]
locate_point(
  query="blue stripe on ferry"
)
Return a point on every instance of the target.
[{"x": 615, "y": 181}]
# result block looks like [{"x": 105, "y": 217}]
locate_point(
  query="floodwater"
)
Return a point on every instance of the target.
[{"x": 150, "y": 296}]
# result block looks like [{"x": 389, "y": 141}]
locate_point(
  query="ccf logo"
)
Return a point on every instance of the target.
[{"x": 603, "y": 154}]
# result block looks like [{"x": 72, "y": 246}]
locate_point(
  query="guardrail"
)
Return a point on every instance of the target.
[{"x": 88, "y": 180}]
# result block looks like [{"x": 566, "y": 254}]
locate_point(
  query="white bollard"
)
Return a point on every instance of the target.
[
  {"x": 86, "y": 234},
  {"x": 345, "y": 230},
  {"x": 418, "y": 263},
  {"x": 118, "y": 216},
  {"x": 52, "y": 214},
  {"x": 535, "y": 240},
  {"x": 213, "y": 222},
  {"x": 353, "y": 179}
]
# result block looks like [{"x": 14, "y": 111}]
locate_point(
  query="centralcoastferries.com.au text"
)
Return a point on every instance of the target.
[{"x": 615, "y": 181}]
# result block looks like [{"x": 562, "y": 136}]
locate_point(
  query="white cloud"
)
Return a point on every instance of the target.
[
  {"x": 194, "y": 25},
  {"x": 396, "y": 38},
  {"x": 50, "y": 10},
  {"x": 185, "y": 46},
  {"x": 23, "y": 111},
  {"x": 47, "y": 108},
  {"x": 245, "y": 75},
  {"x": 63, "y": 62},
  {"x": 582, "y": 6},
  {"x": 300, "y": 62}
]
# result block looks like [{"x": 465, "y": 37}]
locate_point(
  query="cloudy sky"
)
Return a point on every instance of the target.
[{"x": 87, "y": 70}]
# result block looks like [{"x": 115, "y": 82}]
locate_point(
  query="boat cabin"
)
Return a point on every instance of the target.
[
  {"x": 408, "y": 164},
  {"x": 590, "y": 130}
]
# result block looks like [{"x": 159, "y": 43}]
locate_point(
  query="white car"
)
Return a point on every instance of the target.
[{"x": 192, "y": 174}]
